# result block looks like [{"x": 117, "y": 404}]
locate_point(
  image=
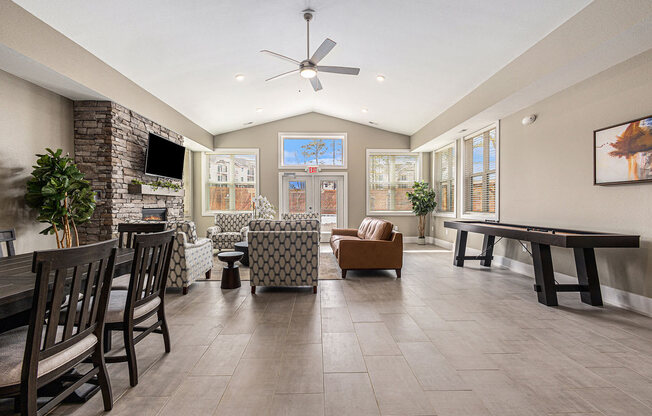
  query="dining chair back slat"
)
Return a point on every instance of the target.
[
  {"x": 8, "y": 237},
  {"x": 127, "y": 231},
  {"x": 151, "y": 266}
]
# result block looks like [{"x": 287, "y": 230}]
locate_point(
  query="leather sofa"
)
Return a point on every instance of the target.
[{"x": 373, "y": 246}]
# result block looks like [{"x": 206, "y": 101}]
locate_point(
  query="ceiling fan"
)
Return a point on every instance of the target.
[{"x": 308, "y": 68}]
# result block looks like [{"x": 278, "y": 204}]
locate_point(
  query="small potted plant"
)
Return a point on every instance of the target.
[
  {"x": 63, "y": 198},
  {"x": 262, "y": 208},
  {"x": 423, "y": 203}
]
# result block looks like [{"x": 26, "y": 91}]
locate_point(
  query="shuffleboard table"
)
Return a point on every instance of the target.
[{"x": 541, "y": 239}]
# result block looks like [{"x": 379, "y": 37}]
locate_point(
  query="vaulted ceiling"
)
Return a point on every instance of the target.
[{"x": 187, "y": 53}]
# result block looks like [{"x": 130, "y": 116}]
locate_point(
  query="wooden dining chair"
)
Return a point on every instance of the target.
[
  {"x": 145, "y": 298},
  {"x": 59, "y": 337},
  {"x": 127, "y": 231},
  {"x": 8, "y": 237}
]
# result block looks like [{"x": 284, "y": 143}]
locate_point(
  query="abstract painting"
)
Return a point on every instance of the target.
[{"x": 623, "y": 153}]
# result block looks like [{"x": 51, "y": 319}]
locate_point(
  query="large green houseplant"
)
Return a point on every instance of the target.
[
  {"x": 63, "y": 198},
  {"x": 423, "y": 203}
]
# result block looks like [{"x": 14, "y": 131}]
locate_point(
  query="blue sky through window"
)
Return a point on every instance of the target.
[{"x": 302, "y": 152}]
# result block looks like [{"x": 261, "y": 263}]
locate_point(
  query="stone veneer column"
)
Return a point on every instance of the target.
[{"x": 110, "y": 146}]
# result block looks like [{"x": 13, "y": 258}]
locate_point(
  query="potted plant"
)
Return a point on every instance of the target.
[
  {"x": 63, "y": 198},
  {"x": 423, "y": 203},
  {"x": 262, "y": 208}
]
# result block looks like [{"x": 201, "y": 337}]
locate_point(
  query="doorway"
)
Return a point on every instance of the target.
[{"x": 323, "y": 193}]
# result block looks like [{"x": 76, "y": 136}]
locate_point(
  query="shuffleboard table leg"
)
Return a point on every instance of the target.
[
  {"x": 460, "y": 248},
  {"x": 587, "y": 274},
  {"x": 487, "y": 249},
  {"x": 544, "y": 274}
]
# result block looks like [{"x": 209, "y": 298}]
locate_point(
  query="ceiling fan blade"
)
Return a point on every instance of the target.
[
  {"x": 284, "y": 74},
  {"x": 322, "y": 51},
  {"x": 346, "y": 70},
  {"x": 278, "y": 55},
  {"x": 316, "y": 85}
]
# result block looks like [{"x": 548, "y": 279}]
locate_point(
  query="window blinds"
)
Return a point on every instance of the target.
[
  {"x": 445, "y": 172},
  {"x": 480, "y": 172}
]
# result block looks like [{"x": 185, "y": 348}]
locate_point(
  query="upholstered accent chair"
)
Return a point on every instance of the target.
[
  {"x": 229, "y": 229},
  {"x": 192, "y": 257},
  {"x": 373, "y": 246},
  {"x": 283, "y": 253}
]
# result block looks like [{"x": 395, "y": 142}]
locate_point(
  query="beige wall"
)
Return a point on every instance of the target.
[
  {"x": 31, "y": 119},
  {"x": 265, "y": 138},
  {"x": 546, "y": 174}
]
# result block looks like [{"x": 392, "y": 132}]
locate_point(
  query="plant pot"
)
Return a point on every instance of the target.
[{"x": 421, "y": 241}]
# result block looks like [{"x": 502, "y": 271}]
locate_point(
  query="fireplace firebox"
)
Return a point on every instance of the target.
[{"x": 155, "y": 214}]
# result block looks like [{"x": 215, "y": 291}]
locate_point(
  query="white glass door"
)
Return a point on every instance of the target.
[{"x": 324, "y": 194}]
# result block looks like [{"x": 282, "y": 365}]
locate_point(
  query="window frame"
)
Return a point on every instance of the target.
[
  {"x": 451, "y": 214},
  {"x": 388, "y": 152},
  {"x": 283, "y": 135},
  {"x": 204, "y": 177},
  {"x": 479, "y": 215}
]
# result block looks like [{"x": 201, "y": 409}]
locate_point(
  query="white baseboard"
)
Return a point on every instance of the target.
[
  {"x": 610, "y": 295},
  {"x": 443, "y": 243}
]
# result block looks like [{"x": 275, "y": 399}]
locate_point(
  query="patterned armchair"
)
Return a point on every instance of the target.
[
  {"x": 228, "y": 229},
  {"x": 192, "y": 258},
  {"x": 284, "y": 253}
]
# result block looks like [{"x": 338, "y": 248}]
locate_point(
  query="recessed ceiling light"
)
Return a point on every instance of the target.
[
  {"x": 364, "y": 110},
  {"x": 239, "y": 77},
  {"x": 259, "y": 110},
  {"x": 462, "y": 131},
  {"x": 373, "y": 122},
  {"x": 380, "y": 78},
  {"x": 247, "y": 123}
]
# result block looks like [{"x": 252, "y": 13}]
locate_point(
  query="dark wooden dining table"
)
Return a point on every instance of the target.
[{"x": 17, "y": 285}]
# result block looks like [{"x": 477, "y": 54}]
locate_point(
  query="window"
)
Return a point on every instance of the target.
[
  {"x": 480, "y": 155},
  {"x": 445, "y": 165},
  {"x": 230, "y": 180},
  {"x": 301, "y": 150},
  {"x": 390, "y": 175}
]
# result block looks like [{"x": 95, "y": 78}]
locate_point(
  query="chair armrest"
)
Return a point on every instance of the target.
[
  {"x": 372, "y": 254},
  {"x": 200, "y": 242},
  {"x": 243, "y": 232},
  {"x": 213, "y": 231},
  {"x": 345, "y": 231}
]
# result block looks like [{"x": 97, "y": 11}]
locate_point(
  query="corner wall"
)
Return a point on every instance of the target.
[
  {"x": 31, "y": 119},
  {"x": 265, "y": 138},
  {"x": 546, "y": 174}
]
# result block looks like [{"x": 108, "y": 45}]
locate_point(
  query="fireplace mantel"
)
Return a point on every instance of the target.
[{"x": 137, "y": 189}]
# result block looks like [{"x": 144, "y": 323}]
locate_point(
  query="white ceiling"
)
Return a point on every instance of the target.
[{"x": 432, "y": 52}]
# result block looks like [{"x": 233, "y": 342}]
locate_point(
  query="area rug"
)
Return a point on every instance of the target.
[{"x": 328, "y": 268}]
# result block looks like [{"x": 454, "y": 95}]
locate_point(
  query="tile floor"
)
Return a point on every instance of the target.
[{"x": 440, "y": 341}]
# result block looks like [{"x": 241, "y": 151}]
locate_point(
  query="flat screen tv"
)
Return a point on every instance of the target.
[{"x": 164, "y": 158}]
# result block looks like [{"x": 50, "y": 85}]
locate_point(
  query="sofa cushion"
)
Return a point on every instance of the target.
[
  {"x": 375, "y": 229},
  {"x": 335, "y": 242}
]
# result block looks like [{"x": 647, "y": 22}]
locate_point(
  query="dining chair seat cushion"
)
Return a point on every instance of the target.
[
  {"x": 12, "y": 351},
  {"x": 117, "y": 302}
]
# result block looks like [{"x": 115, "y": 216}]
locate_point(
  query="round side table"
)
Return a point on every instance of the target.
[
  {"x": 243, "y": 247},
  {"x": 230, "y": 272}
]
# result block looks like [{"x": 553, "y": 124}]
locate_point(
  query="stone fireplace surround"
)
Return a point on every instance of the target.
[{"x": 110, "y": 144}]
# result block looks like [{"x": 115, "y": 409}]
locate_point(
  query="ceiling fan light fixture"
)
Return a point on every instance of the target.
[{"x": 308, "y": 72}]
